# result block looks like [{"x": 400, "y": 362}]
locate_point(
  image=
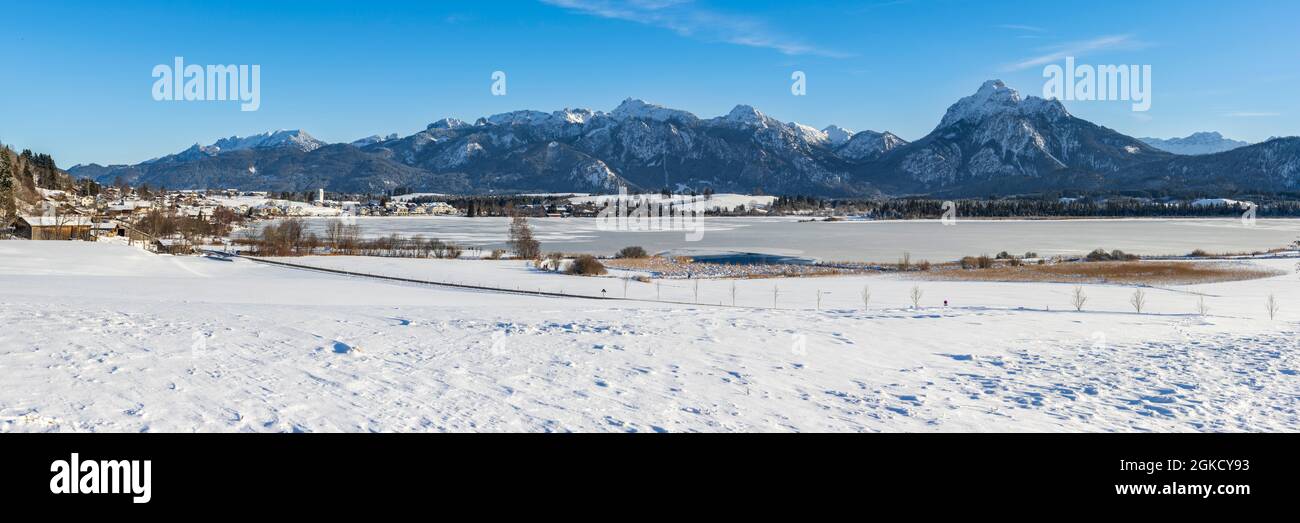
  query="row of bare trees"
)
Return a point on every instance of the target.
[
  {"x": 291, "y": 238},
  {"x": 161, "y": 224},
  {"x": 1138, "y": 300}
]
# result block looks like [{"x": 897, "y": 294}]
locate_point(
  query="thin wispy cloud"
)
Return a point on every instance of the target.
[
  {"x": 1076, "y": 49},
  {"x": 1021, "y": 27},
  {"x": 689, "y": 19},
  {"x": 1249, "y": 114},
  {"x": 1025, "y": 32}
]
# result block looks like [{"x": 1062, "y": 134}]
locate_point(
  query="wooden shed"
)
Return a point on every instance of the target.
[{"x": 58, "y": 227}]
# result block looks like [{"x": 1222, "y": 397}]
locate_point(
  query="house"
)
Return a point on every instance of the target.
[
  {"x": 107, "y": 228},
  {"x": 127, "y": 209},
  {"x": 176, "y": 246},
  {"x": 440, "y": 209},
  {"x": 56, "y": 227}
]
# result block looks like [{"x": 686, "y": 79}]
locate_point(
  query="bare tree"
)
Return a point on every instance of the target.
[
  {"x": 334, "y": 232},
  {"x": 65, "y": 222},
  {"x": 1201, "y": 307},
  {"x": 819, "y": 299},
  {"x": 776, "y": 291},
  {"x": 1138, "y": 300},
  {"x": 733, "y": 293},
  {"x": 556, "y": 259},
  {"x": 1079, "y": 299},
  {"x": 905, "y": 262},
  {"x": 916, "y": 295},
  {"x": 1271, "y": 305},
  {"x": 866, "y": 296},
  {"x": 521, "y": 239}
]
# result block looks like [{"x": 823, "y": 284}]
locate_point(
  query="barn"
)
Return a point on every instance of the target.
[{"x": 58, "y": 227}]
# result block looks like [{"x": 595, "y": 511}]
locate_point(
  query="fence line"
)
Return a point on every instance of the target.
[{"x": 504, "y": 290}]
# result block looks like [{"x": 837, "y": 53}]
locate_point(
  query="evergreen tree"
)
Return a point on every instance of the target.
[{"x": 8, "y": 208}]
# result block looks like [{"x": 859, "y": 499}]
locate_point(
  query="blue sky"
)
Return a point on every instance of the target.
[{"x": 77, "y": 76}]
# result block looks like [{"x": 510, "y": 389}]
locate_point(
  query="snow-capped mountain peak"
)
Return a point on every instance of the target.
[
  {"x": 374, "y": 139},
  {"x": 993, "y": 98},
  {"x": 447, "y": 123},
  {"x": 292, "y": 138},
  {"x": 866, "y": 145},
  {"x": 994, "y": 135},
  {"x": 573, "y": 116},
  {"x": 808, "y": 133},
  {"x": 524, "y": 117},
  {"x": 746, "y": 114},
  {"x": 836, "y": 135},
  {"x": 632, "y": 108}
]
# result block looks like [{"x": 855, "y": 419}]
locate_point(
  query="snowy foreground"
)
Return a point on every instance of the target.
[{"x": 102, "y": 337}]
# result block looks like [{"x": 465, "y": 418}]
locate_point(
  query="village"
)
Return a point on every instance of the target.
[
  {"x": 179, "y": 222},
  {"x": 150, "y": 218}
]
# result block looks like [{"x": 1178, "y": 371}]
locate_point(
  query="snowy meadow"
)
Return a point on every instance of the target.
[{"x": 107, "y": 337}]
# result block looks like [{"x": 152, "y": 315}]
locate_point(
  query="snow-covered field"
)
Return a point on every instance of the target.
[{"x": 106, "y": 337}]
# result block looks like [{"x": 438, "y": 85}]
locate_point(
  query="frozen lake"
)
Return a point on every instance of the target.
[{"x": 882, "y": 241}]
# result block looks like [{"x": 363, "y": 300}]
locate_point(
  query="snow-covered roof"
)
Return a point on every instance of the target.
[
  {"x": 130, "y": 206},
  {"x": 66, "y": 220}
]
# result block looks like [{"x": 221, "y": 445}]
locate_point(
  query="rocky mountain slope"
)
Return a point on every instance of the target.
[
  {"x": 1269, "y": 167},
  {"x": 642, "y": 145},
  {"x": 995, "y": 142}
]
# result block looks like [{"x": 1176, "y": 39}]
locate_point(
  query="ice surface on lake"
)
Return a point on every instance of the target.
[{"x": 883, "y": 241}]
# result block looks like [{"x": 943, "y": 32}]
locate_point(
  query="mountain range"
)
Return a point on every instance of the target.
[
  {"x": 1196, "y": 143},
  {"x": 991, "y": 143}
]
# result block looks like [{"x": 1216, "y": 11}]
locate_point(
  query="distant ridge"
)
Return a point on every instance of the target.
[{"x": 1196, "y": 143}]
